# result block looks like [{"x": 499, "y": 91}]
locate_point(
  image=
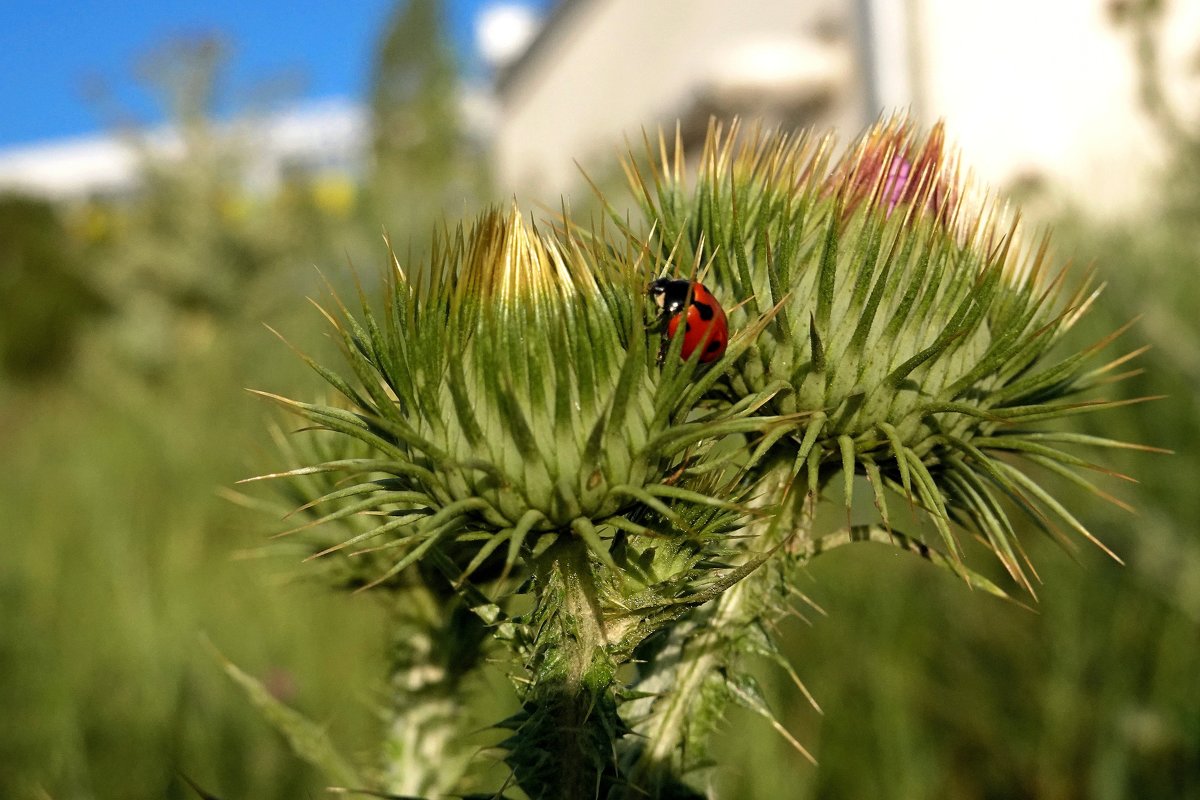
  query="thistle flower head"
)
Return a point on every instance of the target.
[
  {"x": 887, "y": 168},
  {"x": 509, "y": 391},
  {"x": 910, "y": 323}
]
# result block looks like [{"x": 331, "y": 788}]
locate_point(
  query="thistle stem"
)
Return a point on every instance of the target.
[
  {"x": 564, "y": 745},
  {"x": 433, "y": 647},
  {"x": 680, "y": 713},
  {"x": 697, "y": 651},
  {"x": 418, "y": 746},
  {"x": 582, "y": 619}
]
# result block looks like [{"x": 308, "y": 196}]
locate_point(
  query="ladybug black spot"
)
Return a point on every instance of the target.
[
  {"x": 706, "y": 311},
  {"x": 713, "y": 347}
]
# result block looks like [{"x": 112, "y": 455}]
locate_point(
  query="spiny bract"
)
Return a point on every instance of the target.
[
  {"x": 510, "y": 390},
  {"x": 910, "y": 323}
]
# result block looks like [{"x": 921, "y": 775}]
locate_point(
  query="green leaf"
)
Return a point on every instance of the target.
[
  {"x": 827, "y": 274},
  {"x": 746, "y": 692},
  {"x": 307, "y": 739},
  {"x": 894, "y": 538}
]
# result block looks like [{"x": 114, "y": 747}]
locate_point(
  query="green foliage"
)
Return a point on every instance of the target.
[
  {"x": 306, "y": 738},
  {"x": 424, "y": 163},
  {"x": 195, "y": 248},
  {"x": 940, "y": 692},
  {"x": 48, "y": 300},
  {"x": 117, "y": 559}
]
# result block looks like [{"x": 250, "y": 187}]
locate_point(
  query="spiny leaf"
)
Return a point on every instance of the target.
[
  {"x": 817, "y": 348},
  {"x": 846, "y": 446},
  {"x": 748, "y": 695},
  {"x": 894, "y": 538},
  {"x": 307, "y": 739}
]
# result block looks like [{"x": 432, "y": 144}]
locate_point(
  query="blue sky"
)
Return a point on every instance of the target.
[{"x": 52, "y": 52}]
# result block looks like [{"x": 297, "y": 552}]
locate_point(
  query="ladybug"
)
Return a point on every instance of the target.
[{"x": 704, "y": 319}]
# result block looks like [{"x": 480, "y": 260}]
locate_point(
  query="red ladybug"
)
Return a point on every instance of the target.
[{"x": 705, "y": 323}]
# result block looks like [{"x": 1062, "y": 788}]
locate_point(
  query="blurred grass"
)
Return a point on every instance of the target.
[{"x": 118, "y": 560}]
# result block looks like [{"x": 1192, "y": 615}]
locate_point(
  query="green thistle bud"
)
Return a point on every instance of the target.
[
  {"x": 510, "y": 392},
  {"x": 910, "y": 325}
]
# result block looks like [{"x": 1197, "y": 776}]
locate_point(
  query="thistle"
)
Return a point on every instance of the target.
[
  {"x": 534, "y": 446},
  {"x": 523, "y": 438}
]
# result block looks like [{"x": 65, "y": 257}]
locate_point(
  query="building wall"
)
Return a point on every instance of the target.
[
  {"x": 1037, "y": 91},
  {"x": 1034, "y": 91},
  {"x": 1040, "y": 89},
  {"x": 607, "y": 68}
]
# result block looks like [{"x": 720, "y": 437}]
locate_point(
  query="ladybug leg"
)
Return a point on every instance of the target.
[
  {"x": 661, "y": 327},
  {"x": 677, "y": 474}
]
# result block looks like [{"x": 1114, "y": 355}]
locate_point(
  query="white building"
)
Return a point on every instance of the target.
[
  {"x": 1032, "y": 90},
  {"x": 601, "y": 70}
]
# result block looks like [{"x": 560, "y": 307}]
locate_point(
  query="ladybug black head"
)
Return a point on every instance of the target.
[{"x": 669, "y": 294}]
